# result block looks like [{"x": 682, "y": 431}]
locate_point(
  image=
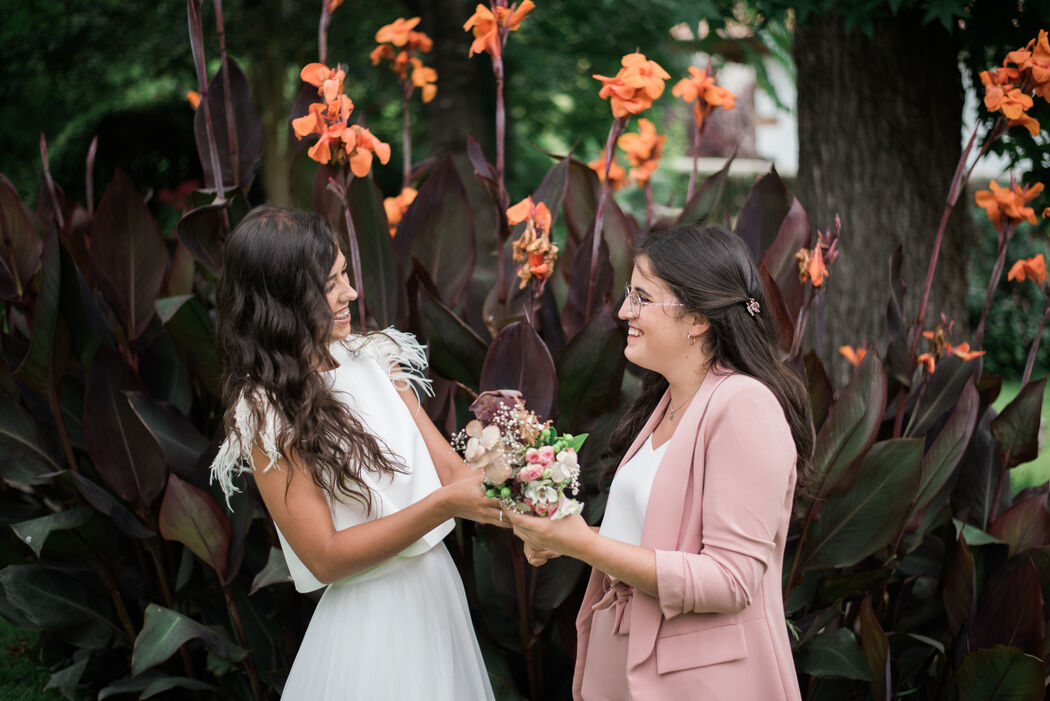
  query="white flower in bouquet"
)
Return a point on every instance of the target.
[
  {"x": 564, "y": 468},
  {"x": 541, "y": 492},
  {"x": 484, "y": 451},
  {"x": 566, "y": 507}
]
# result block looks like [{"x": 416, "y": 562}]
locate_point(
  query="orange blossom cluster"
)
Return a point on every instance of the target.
[
  {"x": 337, "y": 140},
  {"x": 533, "y": 249},
  {"x": 490, "y": 30},
  {"x": 643, "y": 150},
  {"x": 633, "y": 89},
  {"x": 1008, "y": 206},
  {"x": 1024, "y": 73},
  {"x": 700, "y": 90},
  {"x": 398, "y": 42}
]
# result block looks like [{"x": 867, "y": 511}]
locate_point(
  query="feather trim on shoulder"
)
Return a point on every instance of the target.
[
  {"x": 400, "y": 354},
  {"x": 235, "y": 455}
]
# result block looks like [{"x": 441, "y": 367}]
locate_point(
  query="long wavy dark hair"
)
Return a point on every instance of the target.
[
  {"x": 710, "y": 271},
  {"x": 274, "y": 328}
]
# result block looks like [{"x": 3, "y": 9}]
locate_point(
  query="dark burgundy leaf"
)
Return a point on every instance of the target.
[
  {"x": 518, "y": 359},
  {"x": 20, "y": 246},
  {"x": 248, "y": 131},
  {"x": 762, "y": 214}
]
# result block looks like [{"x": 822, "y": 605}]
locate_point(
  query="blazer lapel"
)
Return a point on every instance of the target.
[{"x": 648, "y": 428}]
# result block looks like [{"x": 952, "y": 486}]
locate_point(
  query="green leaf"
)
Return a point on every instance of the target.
[
  {"x": 762, "y": 214},
  {"x": 1000, "y": 674},
  {"x": 55, "y": 600},
  {"x": 164, "y": 631},
  {"x": 191, "y": 516},
  {"x": 128, "y": 256},
  {"x": 1016, "y": 429},
  {"x": 590, "y": 369},
  {"x": 577, "y": 441},
  {"x": 943, "y": 456},
  {"x": 859, "y": 521},
  {"x": 851, "y": 427},
  {"x": 456, "y": 352},
  {"x": 974, "y": 536},
  {"x": 941, "y": 393},
  {"x": 34, "y": 532},
  {"x": 876, "y": 649},
  {"x": 66, "y": 680},
  {"x": 20, "y": 258},
  {"x": 275, "y": 572},
  {"x": 380, "y": 284},
  {"x": 707, "y": 198},
  {"x": 44, "y": 366},
  {"x": 26, "y": 454},
  {"x": 834, "y": 655},
  {"x": 152, "y": 683},
  {"x": 438, "y": 230},
  {"x": 178, "y": 438},
  {"x": 190, "y": 327}
]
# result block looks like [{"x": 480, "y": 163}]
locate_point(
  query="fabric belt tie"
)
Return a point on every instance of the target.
[{"x": 618, "y": 595}]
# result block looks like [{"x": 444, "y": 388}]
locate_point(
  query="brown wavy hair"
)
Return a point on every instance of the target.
[
  {"x": 710, "y": 271},
  {"x": 274, "y": 326}
]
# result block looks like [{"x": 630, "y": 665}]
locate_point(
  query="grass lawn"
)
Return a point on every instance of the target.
[
  {"x": 21, "y": 678},
  {"x": 1037, "y": 471}
]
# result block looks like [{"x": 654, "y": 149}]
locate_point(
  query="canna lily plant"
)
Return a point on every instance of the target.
[{"x": 911, "y": 568}]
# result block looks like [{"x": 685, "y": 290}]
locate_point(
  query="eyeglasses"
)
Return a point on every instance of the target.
[{"x": 637, "y": 303}]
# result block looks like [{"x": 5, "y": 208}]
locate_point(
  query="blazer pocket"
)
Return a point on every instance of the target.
[{"x": 701, "y": 648}]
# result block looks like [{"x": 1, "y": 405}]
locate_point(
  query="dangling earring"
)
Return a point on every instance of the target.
[{"x": 692, "y": 339}]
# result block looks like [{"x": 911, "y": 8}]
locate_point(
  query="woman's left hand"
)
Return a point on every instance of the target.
[{"x": 564, "y": 535}]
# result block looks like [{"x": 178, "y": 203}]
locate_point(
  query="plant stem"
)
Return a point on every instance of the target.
[
  {"x": 800, "y": 323},
  {"x": 648, "y": 204},
  {"x": 322, "y": 33},
  {"x": 997, "y": 271},
  {"x": 614, "y": 133},
  {"x": 953, "y": 194},
  {"x": 1034, "y": 350},
  {"x": 51, "y": 183},
  {"x": 231, "y": 124},
  {"x": 504, "y": 198},
  {"x": 525, "y": 619},
  {"x": 993, "y": 511},
  {"x": 797, "y": 561},
  {"x": 249, "y": 661},
  {"x": 89, "y": 176},
  {"x": 197, "y": 45},
  {"x": 696, "y": 157},
  {"x": 355, "y": 254},
  {"x": 406, "y": 165}
]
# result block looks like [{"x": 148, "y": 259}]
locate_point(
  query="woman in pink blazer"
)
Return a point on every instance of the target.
[{"x": 684, "y": 599}]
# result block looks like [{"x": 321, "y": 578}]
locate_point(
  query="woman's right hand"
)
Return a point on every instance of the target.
[
  {"x": 537, "y": 556},
  {"x": 466, "y": 499}
]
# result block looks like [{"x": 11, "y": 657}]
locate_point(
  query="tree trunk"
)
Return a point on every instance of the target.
[{"x": 879, "y": 124}]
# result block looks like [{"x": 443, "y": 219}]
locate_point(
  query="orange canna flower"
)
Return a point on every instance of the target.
[
  {"x": 1007, "y": 205},
  {"x": 617, "y": 175},
  {"x": 533, "y": 250},
  {"x": 643, "y": 150},
  {"x": 490, "y": 30},
  {"x": 361, "y": 144},
  {"x": 330, "y": 134},
  {"x": 332, "y": 4},
  {"x": 700, "y": 89},
  {"x": 817, "y": 270},
  {"x": 1029, "y": 269},
  {"x": 854, "y": 356},
  {"x": 194, "y": 98},
  {"x": 927, "y": 360},
  {"x": 397, "y": 32},
  {"x": 424, "y": 78},
  {"x": 397, "y": 206},
  {"x": 329, "y": 82},
  {"x": 633, "y": 89},
  {"x": 963, "y": 351}
]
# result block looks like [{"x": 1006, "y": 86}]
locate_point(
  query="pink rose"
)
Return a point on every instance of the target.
[
  {"x": 532, "y": 455},
  {"x": 541, "y": 508},
  {"x": 546, "y": 454},
  {"x": 530, "y": 472}
]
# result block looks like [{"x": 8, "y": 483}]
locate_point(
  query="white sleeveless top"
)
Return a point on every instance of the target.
[
  {"x": 369, "y": 369},
  {"x": 629, "y": 494}
]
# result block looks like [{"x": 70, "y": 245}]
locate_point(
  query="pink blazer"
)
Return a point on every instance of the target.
[{"x": 718, "y": 520}]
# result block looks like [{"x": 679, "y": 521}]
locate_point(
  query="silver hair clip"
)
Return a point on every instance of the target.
[{"x": 752, "y": 306}]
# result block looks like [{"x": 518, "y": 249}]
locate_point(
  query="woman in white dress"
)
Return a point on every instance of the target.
[{"x": 361, "y": 485}]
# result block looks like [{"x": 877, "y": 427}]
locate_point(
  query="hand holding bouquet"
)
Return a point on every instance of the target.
[{"x": 527, "y": 464}]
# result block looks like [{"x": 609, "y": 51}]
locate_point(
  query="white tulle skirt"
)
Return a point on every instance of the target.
[{"x": 402, "y": 631}]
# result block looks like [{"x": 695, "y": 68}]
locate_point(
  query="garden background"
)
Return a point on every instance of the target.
[{"x": 123, "y": 574}]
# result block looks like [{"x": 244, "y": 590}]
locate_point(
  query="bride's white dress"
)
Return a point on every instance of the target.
[{"x": 402, "y": 629}]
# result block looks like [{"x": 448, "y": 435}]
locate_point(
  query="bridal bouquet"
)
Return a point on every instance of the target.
[{"x": 528, "y": 465}]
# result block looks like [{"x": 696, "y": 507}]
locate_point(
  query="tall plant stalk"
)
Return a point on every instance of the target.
[
  {"x": 993, "y": 282},
  {"x": 355, "y": 253},
  {"x": 1034, "y": 350},
  {"x": 193, "y": 11},
  {"x": 615, "y": 130}
]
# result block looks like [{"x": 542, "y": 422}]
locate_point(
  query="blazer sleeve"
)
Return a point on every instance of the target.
[{"x": 749, "y": 464}]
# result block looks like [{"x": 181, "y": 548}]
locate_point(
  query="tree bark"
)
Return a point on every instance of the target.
[{"x": 880, "y": 130}]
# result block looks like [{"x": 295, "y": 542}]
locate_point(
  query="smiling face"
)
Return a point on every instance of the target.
[
  {"x": 657, "y": 337},
  {"x": 339, "y": 294}
]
